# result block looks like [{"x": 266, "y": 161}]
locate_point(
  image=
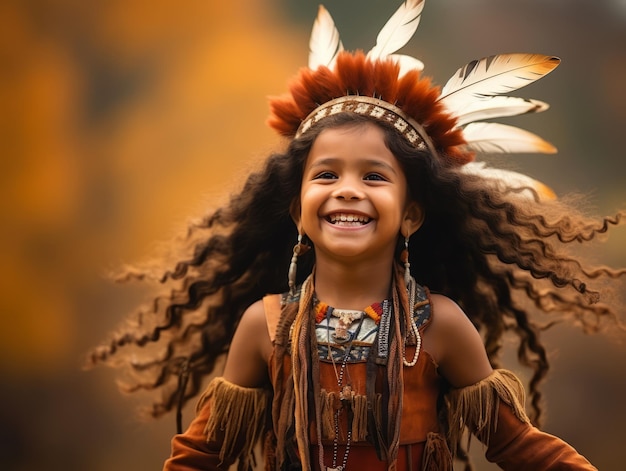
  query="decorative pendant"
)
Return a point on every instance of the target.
[
  {"x": 342, "y": 335},
  {"x": 345, "y": 320},
  {"x": 346, "y": 393},
  {"x": 347, "y": 317}
]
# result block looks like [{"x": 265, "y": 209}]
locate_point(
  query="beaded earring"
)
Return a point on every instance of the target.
[
  {"x": 404, "y": 257},
  {"x": 298, "y": 249}
]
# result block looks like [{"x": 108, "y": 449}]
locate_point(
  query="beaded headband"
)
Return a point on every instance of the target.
[
  {"x": 374, "y": 108},
  {"x": 451, "y": 122}
]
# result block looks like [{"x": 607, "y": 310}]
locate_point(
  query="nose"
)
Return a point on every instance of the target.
[{"x": 348, "y": 189}]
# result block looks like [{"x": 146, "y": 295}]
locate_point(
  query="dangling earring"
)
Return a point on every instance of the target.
[
  {"x": 404, "y": 257},
  {"x": 298, "y": 249}
]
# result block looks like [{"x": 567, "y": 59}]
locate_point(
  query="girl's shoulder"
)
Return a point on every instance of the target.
[
  {"x": 250, "y": 349},
  {"x": 446, "y": 308},
  {"x": 456, "y": 344},
  {"x": 254, "y": 315},
  {"x": 448, "y": 322}
]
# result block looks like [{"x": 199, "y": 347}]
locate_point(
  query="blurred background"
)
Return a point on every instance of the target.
[{"x": 121, "y": 120}]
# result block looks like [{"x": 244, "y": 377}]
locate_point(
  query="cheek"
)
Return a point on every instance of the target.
[
  {"x": 395, "y": 202},
  {"x": 394, "y": 208},
  {"x": 312, "y": 196},
  {"x": 309, "y": 207}
]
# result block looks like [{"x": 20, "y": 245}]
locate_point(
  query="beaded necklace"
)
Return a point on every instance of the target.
[
  {"x": 341, "y": 336},
  {"x": 412, "y": 292},
  {"x": 387, "y": 350}
]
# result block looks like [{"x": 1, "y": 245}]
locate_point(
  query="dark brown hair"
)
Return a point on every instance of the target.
[{"x": 503, "y": 256}]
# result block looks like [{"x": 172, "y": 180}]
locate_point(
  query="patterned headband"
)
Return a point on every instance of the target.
[{"x": 374, "y": 108}]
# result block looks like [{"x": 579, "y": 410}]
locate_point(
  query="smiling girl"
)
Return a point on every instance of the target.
[{"x": 373, "y": 342}]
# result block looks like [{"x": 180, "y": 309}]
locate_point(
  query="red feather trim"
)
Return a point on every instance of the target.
[{"x": 354, "y": 74}]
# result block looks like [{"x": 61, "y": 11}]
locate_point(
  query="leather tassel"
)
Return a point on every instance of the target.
[
  {"x": 437, "y": 456},
  {"x": 329, "y": 402},
  {"x": 359, "y": 424},
  {"x": 328, "y": 406},
  {"x": 301, "y": 355}
]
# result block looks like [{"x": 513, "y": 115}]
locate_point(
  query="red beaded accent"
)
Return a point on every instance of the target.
[
  {"x": 375, "y": 311},
  {"x": 321, "y": 309}
]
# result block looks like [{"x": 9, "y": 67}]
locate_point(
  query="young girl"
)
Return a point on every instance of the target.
[{"x": 373, "y": 342}]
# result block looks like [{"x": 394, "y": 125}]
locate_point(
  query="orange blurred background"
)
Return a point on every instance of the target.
[{"x": 120, "y": 120}]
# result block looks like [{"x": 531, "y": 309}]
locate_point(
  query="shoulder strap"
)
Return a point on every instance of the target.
[
  {"x": 422, "y": 311},
  {"x": 273, "y": 307}
]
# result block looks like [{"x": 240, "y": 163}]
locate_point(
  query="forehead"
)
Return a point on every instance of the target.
[{"x": 364, "y": 141}]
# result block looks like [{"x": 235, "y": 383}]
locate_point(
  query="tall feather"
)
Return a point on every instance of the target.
[
  {"x": 324, "y": 44},
  {"x": 407, "y": 63},
  {"x": 495, "y": 107},
  {"x": 398, "y": 29},
  {"x": 495, "y": 138},
  {"x": 509, "y": 179},
  {"x": 495, "y": 75}
]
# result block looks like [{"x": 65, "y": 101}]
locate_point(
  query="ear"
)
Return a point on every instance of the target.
[
  {"x": 413, "y": 219},
  {"x": 294, "y": 212}
]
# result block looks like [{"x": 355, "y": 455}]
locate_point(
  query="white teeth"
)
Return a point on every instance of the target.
[{"x": 349, "y": 218}]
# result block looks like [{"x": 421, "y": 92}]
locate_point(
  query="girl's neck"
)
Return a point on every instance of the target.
[{"x": 352, "y": 287}]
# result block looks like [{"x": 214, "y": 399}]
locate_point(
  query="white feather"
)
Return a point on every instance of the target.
[
  {"x": 407, "y": 63},
  {"x": 495, "y": 107},
  {"x": 495, "y": 75},
  {"x": 398, "y": 29},
  {"x": 507, "y": 179},
  {"x": 495, "y": 138},
  {"x": 324, "y": 44}
]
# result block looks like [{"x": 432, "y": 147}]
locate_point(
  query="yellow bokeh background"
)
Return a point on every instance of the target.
[{"x": 121, "y": 120}]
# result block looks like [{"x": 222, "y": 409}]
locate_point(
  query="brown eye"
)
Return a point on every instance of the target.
[
  {"x": 377, "y": 177},
  {"x": 325, "y": 176}
]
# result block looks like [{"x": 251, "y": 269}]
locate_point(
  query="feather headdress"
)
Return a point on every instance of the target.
[{"x": 450, "y": 121}]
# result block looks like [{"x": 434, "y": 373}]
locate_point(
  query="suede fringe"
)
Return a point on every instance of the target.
[
  {"x": 329, "y": 402},
  {"x": 235, "y": 411},
  {"x": 303, "y": 372},
  {"x": 437, "y": 456},
  {"x": 476, "y": 406}
]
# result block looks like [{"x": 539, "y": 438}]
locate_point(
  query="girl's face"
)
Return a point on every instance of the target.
[{"x": 353, "y": 202}]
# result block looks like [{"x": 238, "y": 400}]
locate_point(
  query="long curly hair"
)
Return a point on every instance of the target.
[{"x": 505, "y": 257}]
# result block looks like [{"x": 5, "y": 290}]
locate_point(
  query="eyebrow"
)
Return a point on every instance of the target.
[{"x": 373, "y": 162}]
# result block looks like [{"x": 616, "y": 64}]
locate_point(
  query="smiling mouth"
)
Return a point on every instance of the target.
[{"x": 343, "y": 219}]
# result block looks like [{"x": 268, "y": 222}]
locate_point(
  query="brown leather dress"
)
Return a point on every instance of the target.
[
  {"x": 231, "y": 419},
  {"x": 420, "y": 430}
]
